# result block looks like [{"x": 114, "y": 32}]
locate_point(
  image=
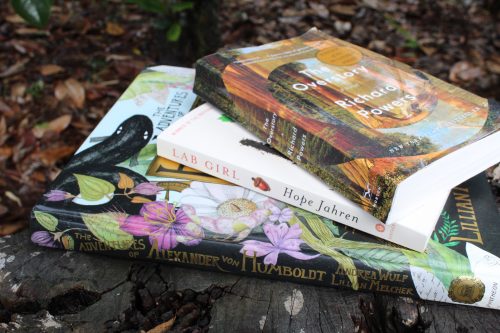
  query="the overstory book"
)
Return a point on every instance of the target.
[
  {"x": 125, "y": 202},
  {"x": 208, "y": 140},
  {"x": 360, "y": 121}
]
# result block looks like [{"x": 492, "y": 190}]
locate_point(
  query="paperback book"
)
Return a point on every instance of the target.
[
  {"x": 356, "y": 119},
  {"x": 127, "y": 203},
  {"x": 228, "y": 151}
]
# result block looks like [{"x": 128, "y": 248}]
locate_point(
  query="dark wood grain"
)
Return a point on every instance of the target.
[{"x": 55, "y": 291}]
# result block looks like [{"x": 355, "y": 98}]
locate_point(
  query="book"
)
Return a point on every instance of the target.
[
  {"x": 226, "y": 150},
  {"x": 354, "y": 118},
  {"x": 126, "y": 203}
]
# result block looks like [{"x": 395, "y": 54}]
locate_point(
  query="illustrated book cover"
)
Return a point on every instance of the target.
[
  {"x": 125, "y": 202},
  {"x": 354, "y": 118},
  {"x": 226, "y": 150}
]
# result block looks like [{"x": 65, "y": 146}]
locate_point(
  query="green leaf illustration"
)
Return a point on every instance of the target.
[
  {"x": 68, "y": 242},
  {"x": 148, "y": 152},
  {"x": 47, "y": 220},
  {"x": 226, "y": 118},
  {"x": 389, "y": 260},
  {"x": 441, "y": 261},
  {"x": 92, "y": 188},
  {"x": 106, "y": 228}
]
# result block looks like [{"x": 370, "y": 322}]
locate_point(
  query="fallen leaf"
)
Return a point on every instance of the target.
[
  {"x": 60, "y": 91},
  {"x": 14, "y": 19},
  {"x": 14, "y": 69},
  {"x": 464, "y": 71},
  {"x": 51, "y": 156},
  {"x": 14, "y": 198},
  {"x": 493, "y": 64},
  {"x": 17, "y": 90},
  {"x": 163, "y": 327},
  {"x": 72, "y": 89},
  {"x": 76, "y": 92},
  {"x": 57, "y": 125},
  {"x": 32, "y": 31},
  {"x": 9, "y": 229},
  {"x": 50, "y": 69},
  {"x": 114, "y": 29}
]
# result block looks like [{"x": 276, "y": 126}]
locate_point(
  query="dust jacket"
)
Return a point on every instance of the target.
[
  {"x": 354, "y": 118},
  {"x": 226, "y": 150},
  {"x": 115, "y": 198}
]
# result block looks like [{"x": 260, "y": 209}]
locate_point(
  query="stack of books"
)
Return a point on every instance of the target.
[{"x": 314, "y": 161}]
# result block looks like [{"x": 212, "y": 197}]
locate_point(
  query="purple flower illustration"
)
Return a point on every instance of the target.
[
  {"x": 147, "y": 189},
  {"x": 43, "y": 238},
  {"x": 58, "y": 195},
  {"x": 163, "y": 224},
  {"x": 280, "y": 215},
  {"x": 283, "y": 239}
]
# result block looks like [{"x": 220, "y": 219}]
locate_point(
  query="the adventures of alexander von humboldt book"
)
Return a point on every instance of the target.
[
  {"x": 105, "y": 202},
  {"x": 228, "y": 151},
  {"x": 358, "y": 120}
]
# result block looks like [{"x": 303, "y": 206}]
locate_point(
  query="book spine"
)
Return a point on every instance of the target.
[
  {"x": 228, "y": 257},
  {"x": 312, "y": 154},
  {"x": 278, "y": 190}
]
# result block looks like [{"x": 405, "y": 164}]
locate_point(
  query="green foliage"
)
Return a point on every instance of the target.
[
  {"x": 36, "y": 89},
  {"x": 448, "y": 229},
  {"x": 387, "y": 259},
  {"x": 410, "y": 41},
  {"x": 35, "y": 12}
]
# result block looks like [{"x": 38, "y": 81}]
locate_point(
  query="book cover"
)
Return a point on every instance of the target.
[
  {"x": 175, "y": 215},
  {"x": 354, "y": 118},
  {"x": 226, "y": 150}
]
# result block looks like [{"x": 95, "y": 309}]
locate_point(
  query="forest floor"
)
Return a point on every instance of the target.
[{"x": 57, "y": 83}]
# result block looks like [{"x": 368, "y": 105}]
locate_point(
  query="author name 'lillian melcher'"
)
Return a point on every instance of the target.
[{"x": 289, "y": 194}]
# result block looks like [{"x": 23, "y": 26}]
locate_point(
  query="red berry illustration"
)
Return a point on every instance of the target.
[{"x": 261, "y": 184}]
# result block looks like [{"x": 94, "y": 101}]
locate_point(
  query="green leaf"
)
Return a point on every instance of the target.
[
  {"x": 35, "y": 12},
  {"x": 92, "y": 188},
  {"x": 435, "y": 237},
  {"x": 446, "y": 264},
  {"x": 225, "y": 118},
  {"x": 46, "y": 220},
  {"x": 333, "y": 227},
  {"x": 174, "y": 32},
  {"x": 148, "y": 152},
  {"x": 106, "y": 228},
  {"x": 182, "y": 6},
  {"x": 393, "y": 261}
]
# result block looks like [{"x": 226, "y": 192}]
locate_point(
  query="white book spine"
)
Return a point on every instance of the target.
[{"x": 353, "y": 217}]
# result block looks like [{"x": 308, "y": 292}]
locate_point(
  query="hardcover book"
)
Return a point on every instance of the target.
[
  {"x": 226, "y": 150},
  {"x": 356, "y": 119},
  {"x": 125, "y": 202}
]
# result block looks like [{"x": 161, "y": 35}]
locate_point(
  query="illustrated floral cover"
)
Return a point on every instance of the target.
[
  {"x": 105, "y": 202},
  {"x": 358, "y": 120}
]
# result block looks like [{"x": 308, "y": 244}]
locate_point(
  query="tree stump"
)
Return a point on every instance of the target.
[{"x": 56, "y": 291}]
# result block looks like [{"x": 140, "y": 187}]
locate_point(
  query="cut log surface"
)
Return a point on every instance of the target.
[{"x": 46, "y": 290}]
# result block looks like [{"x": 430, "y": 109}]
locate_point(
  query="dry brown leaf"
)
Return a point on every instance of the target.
[
  {"x": 57, "y": 125},
  {"x": 50, "y": 156},
  {"x": 14, "y": 69},
  {"x": 32, "y": 31},
  {"x": 114, "y": 29},
  {"x": 60, "y": 91},
  {"x": 163, "y": 327},
  {"x": 8, "y": 229},
  {"x": 72, "y": 89},
  {"x": 50, "y": 69},
  {"x": 14, "y": 198},
  {"x": 17, "y": 90},
  {"x": 14, "y": 19},
  {"x": 3, "y": 209},
  {"x": 464, "y": 71}
]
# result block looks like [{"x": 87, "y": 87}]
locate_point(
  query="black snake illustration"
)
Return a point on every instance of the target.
[{"x": 101, "y": 161}]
